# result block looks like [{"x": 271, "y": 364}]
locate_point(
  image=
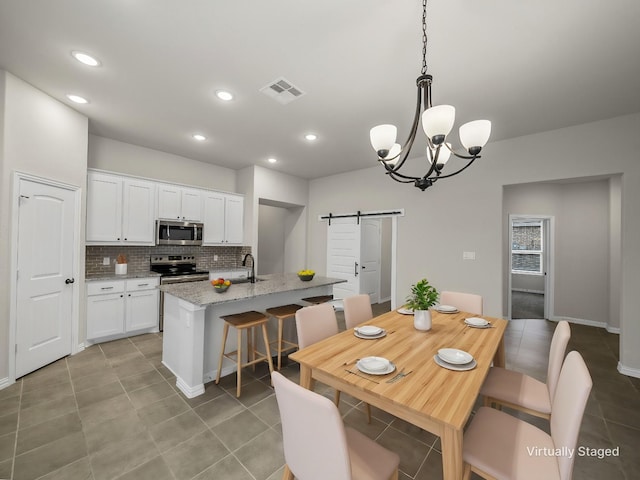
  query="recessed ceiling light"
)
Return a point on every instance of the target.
[
  {"x": 199, "y": 137},
  {"x": 311, "y": 137},
  {"x": 77, "y": 99},
  {"x": 86, "y": 59},
  {"x": 224, "y": 95},
  {"x": 272, "y": 160}
]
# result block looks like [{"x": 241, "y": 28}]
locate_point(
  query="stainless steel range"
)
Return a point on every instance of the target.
[{"x": 175, "y": 269}]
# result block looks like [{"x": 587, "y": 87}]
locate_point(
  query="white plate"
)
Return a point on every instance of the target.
[
  {"x": 481, "y": 327},
  {"x": 455, "y": 356},
  {"x": 476, "y": 322},
  {"x": 457, "y": 368},
  {"x": 362, "y": 366},
  {"x": 368, "y": 330},
  {"x": 446, "y": 309},
  {"x": 383, "y": 333},
  {"x": 405, "y": 311}
]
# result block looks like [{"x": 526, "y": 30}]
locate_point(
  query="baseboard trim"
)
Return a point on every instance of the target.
[
  {"x": 589, "y": 323},
  {"x": 527, "y": 290},
  {"x": 211, "y": 376},
  {"x": 630, "y": 372},
  {"x": 5, "y": 382}
]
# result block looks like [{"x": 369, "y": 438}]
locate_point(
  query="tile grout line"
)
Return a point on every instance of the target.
[
  {"x": 15, "y": 441},
  {"x": 146, "y": 428}
]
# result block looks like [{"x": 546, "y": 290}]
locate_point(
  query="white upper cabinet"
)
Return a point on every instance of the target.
[
  {"x": 119, "y": 210},
  {"x": 179, "y": 203},
  {"x": 223, "y": 219},
  {"x": 233, "y": 219}
]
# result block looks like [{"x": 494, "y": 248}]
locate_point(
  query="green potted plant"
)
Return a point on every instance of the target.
[{"x": 423, "y": 296}]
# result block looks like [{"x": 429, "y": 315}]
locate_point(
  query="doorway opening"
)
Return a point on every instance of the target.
[
  {"x": 530, "y": 266},
  {"x": 281, "y": 237}
]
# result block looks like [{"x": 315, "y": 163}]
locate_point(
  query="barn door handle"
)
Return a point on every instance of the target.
[
  {"x": 69, "y": 280},
  {"x": 356, "y": 269}
]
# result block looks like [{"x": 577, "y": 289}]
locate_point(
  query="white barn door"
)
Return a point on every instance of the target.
[
  {"x": 353, "y": 253},
  {"x": 343, "y": 256}
]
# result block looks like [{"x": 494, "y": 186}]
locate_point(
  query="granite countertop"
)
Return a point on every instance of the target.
[
  {"x": 202, "y": 293},
  {"x": 96, "y": 277}
]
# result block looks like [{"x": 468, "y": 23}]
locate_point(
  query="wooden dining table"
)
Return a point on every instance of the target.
[{"x": 431, "y": 397}]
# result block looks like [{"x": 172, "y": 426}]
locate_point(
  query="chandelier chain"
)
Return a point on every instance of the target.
[{"x": 424, "y": 37}]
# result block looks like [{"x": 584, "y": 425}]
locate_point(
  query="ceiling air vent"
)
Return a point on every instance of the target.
[{"x": 282, "y": 91}]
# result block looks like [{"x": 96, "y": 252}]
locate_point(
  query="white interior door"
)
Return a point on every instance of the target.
[
  {"x": 370, "y": 234},
  {"x": 46, "y": 226},
  {"x": 343, "y": 256}
]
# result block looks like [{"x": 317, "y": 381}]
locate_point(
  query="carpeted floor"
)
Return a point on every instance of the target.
[{"x": 527, "y": 305}]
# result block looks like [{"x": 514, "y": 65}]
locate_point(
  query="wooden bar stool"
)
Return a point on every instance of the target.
[
  {"x": 319, "y": 299},
  {"x": 281, "y": 313},
  {"x": 245, "y": 321}
]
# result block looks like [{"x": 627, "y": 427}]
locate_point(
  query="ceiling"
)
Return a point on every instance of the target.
[{"x": 526, "y": 66}]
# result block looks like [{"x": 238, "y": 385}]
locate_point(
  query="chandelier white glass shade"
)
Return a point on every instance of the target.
[{"x": 437, "y": 123}]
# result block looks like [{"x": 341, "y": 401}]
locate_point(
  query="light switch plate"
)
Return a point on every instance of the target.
[
  {"x": 105, "y": 260},
  {"x": 468, "y": 255},
  {"x": 215, "y": 258}
]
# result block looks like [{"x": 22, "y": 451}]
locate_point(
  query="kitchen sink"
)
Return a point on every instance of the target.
[{"x": 246, "y": 280}]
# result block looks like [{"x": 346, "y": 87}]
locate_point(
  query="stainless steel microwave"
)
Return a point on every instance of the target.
[{"x": 178, "y": 233}]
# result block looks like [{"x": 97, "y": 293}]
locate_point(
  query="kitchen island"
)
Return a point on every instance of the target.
[{"x": 193, "y": 327}]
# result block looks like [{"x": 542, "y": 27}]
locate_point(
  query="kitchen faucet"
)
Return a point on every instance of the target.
[{"x": 252, "y": 278}]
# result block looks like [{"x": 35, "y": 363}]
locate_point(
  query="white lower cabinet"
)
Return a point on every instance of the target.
[{"x": 119, "y": 308}]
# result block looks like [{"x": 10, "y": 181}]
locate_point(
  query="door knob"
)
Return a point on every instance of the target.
[{"x": 69, "y": 280}]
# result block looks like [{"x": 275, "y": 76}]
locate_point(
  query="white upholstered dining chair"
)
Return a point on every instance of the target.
[
  {"x": 465, "y": 302},
  {"x": 315, "y": 323},
  {"x": 522, "y": 392},
  {"x": 317, "y": 445},
  {"x": 357, "y": 309},
  {"x": 500, "y": 446}
]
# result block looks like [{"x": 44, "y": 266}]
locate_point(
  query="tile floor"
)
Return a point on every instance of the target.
[
  {"x": 112, "y": 412},
  {"x": 527, "y": 305}
]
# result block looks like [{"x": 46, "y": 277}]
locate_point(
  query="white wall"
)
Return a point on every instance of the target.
[
  {"x": 45, "y": 138},
  {"x": 464, "y": 213},
  {"x": 120, "y": 157}
]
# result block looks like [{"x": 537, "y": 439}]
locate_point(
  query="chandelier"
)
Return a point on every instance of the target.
[{"x": 437, "y": 122}]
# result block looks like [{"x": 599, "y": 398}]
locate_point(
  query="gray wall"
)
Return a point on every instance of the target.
[
  {"x": 464, "y": 213},
  {"x": 45, "y": 138},
  {"x": 527, "y": 283},
  {"x": 385, "y": 260},
  {"x": 581, "y": 254},
  {"x": 114, "y": 156},
  {"x": 271, "y": 237},
  {"x": 262, "y": 186}
]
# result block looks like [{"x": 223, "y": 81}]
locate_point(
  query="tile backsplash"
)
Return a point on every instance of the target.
[{"x": 138, "y": 257}]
